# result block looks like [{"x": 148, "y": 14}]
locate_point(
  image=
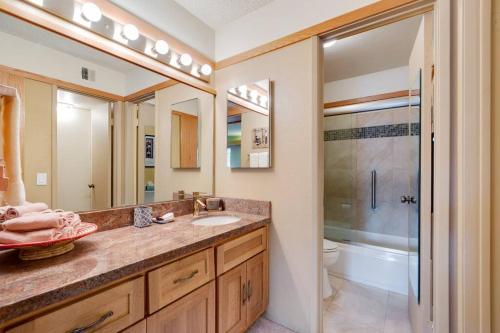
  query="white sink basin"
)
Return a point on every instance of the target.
[{"x": 216, "y": 220}]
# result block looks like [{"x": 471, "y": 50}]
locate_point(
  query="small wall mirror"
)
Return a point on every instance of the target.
[
  {"x": 249, "y": 125},
  {"x": 185, "y": 134}
]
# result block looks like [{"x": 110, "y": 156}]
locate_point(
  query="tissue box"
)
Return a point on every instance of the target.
[{"x": 143, "y": 216}]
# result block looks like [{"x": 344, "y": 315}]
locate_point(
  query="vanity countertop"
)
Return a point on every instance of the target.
[{"x": 104, "y": 257}]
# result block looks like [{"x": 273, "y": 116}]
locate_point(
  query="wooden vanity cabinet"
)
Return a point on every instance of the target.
[
  {"x": 222, "y": 289},
  {"x": 242, "y": 282},
  {"x": 242, "y": 294},
  {"x": 194, "y": 313}
]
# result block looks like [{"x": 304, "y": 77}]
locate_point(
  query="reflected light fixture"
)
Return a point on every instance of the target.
[
  {"x": 263, "y": 101},
  {"x": 91, "y": 12},
  {"x": 130, "y": 32},
  {"x": 243, "y": 90},
  {"x": 254, "y": 94},
  {"x": 186, "y": 59},
  {"x": 206, "y": 69},
  {"x": 37, "y": 2},
  {"x": 329, "y": 43},
  {"x": 161, "y": 47}
]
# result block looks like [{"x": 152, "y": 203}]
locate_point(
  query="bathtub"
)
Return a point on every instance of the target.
[{"x": 373, "y": 259}]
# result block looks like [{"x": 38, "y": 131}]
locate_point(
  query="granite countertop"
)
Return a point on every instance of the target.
[{"x": 104, "y": 257}]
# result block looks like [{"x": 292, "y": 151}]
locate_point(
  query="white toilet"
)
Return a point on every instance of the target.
[{"x": 330, "y": 256}]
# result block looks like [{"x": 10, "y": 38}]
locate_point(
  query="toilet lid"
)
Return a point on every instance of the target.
[{"x": 329, "y": 246}]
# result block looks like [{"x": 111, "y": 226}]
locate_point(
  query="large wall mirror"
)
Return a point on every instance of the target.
[
  {"x": 100, "y": 132},
  {"x": 249, "y": 125}
]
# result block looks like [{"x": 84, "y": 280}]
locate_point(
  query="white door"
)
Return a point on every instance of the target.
[{"x": 73, "y": 158}]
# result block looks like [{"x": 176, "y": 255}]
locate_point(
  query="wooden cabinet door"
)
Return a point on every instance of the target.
[
  {"x": 194, "y": 313},
  {"x": 257, "y": 286},
  {"x": 232, "y": 310}
]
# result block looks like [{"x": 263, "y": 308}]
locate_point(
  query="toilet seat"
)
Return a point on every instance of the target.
[{"x": 329, "y": 246}]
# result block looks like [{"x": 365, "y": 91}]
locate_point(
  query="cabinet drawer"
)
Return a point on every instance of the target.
[
  {"x": 111, "y": 310},
  {"x": 194, "y": 313},
  {"x": 172, "y": 281},
  {"x": 233, "y": 253}
]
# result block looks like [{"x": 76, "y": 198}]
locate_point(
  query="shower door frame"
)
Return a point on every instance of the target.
[{"x": 440, "y": 284}]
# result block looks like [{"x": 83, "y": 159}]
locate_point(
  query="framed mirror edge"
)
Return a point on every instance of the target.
[{"x": 270, "y": 106}]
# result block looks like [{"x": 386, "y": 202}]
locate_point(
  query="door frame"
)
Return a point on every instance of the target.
[{"x": 442, "y": 126}]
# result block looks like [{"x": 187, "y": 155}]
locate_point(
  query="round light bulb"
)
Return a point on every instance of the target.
[
  {"x": 130, "y": 32},
  {"x": 91, "y": 12},
  {"x": 243, "y": 90},
  {"x": 263, "y": 101},
  {"x": 161, "y": 47},
  {"x": 206, "y": 69},
  {"x": 186, "y": 60},
  {"x": 254, "y": 94}
]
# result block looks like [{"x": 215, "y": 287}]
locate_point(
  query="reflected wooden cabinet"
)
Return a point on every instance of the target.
[
  {"x": 194, "y": 313},
  {"x": 243, "y": 294}
]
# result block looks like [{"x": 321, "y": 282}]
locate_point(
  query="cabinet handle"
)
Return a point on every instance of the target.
[
  {"x": 249, "y": 289},
  {"x": 190, "y": 276},
  {"x": 90, "y": 327},
  {"x": 244, "y": 291}
]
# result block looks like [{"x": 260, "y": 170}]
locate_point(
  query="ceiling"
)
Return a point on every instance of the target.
[
  {"x": 216, "y": 13},
  {"x": 372, "y": 51},
  {"x": 21, "y": 29}
]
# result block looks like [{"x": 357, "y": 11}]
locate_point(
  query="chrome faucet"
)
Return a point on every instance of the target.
[{"x": 197, "y": 203}]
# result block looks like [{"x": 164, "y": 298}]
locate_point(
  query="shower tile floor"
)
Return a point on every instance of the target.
[{"x": 357, "y": 308}]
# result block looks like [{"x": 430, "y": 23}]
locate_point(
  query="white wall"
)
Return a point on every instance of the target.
[
  {"x": 35, "y": 58},
  {"x": 390, "y": 80},
  {"x": 170, "y": 17},
  {"x": 290, "y": 184},
  {"x": 140, "y": 78},
  {"x": 276, "y": 20},
  {"x": 168, "y": 180}
]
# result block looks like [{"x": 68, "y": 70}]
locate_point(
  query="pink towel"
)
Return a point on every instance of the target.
[
  {"x": 71, "y": 219},
  {"x": 12, "y": 237},
  {"x": 3, "y": 215},
  {"x": 16, "y": 211},
  {"x": 35, "y": 222}
]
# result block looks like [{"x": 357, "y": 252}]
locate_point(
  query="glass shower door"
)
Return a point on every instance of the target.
[{"x": 340, "y": 173}]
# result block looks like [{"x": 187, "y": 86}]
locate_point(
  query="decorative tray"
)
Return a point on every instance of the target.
[{"x": 52, "y": 248}]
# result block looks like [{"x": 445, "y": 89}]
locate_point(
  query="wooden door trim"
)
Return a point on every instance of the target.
[
  {"x": 372, "y": 98},
  {"x": 375, "y": 10}
]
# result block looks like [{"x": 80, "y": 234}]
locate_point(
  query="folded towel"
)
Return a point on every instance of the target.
[
  {"x": 16, "y": 211},
  {"x": 12, "y": 237},
  {"x": 3, "y": 216},
  {"x": 71, "y": 219},
  {"x": 35, "y": 222}
]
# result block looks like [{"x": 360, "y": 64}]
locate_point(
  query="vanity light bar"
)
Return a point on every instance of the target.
[{"x": 89, "y": 15}]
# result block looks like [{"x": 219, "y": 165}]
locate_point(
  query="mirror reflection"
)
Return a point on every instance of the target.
[
  {"x": 98, "y": 131},
  {"x": 249, "y": 126},
  {"x": 185, "y": 128}
]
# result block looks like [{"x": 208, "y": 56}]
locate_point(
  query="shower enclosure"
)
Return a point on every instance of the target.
[{"x": 372, "y": 154}]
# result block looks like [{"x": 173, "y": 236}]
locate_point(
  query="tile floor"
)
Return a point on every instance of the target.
[
  {"x": 357, "y": 308},
  {"x": 262, "y": 325}
]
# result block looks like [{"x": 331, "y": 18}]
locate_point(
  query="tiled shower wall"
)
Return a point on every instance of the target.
[{"x": 356, "y": 144}]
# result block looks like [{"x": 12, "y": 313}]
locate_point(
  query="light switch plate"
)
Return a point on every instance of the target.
[{"x": 41, "y": 178}]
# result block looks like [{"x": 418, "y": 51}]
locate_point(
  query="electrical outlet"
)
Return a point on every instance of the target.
[{"x": 41, "y": 178}]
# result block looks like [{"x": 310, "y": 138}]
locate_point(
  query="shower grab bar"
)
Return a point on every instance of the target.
[{"x": 374, "y": 189}]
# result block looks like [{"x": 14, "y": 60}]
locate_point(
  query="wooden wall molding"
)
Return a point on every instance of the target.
[
  {"x": 149, "y": 90},
  {"x": 377, "y": 9},
  {"x": 62, "y": 84},
  {"x": 373, "y": 98}
]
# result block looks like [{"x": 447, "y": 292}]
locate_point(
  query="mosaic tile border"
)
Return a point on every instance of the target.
[{"x": 371, "y": 132}]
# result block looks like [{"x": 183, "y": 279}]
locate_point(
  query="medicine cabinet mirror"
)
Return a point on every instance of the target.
[{"x": 249, "y": 116}]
